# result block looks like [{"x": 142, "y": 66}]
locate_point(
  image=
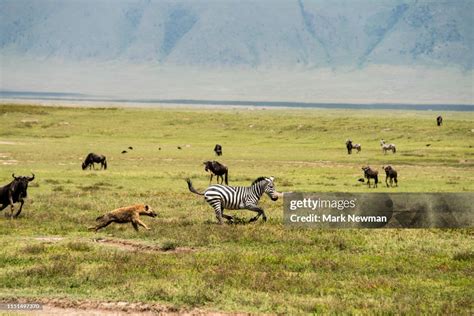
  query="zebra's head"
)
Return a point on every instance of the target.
[{"x": 270, "y": 189}]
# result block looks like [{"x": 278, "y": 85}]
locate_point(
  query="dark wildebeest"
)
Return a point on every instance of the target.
[
  {"x": 392, "y": 174},
  {"x": 218, "y": 150},
  {"x": 217, "y": 169},
  {"x": 15, "y": 191},
  {"x": 94, "y": 158},
  {"x": 350, "y": 146},
  {"x": 439, "y": 120},
  {"x": 370, "y": 173}
]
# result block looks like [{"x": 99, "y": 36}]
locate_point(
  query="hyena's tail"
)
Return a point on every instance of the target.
[{"x": 191, "y": 188}]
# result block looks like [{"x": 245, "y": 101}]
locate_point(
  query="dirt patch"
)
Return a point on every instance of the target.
[
  {"x": 4, "y": 142},
  {"x": 62, "y": 306},
  {"x": 134, "y": 246},
  {"x": 48, "y": 239}
]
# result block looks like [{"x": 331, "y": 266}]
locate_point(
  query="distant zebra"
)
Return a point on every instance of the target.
[
  {"x": 386, "y": 147},
  {"x": 222, "y": 197}
]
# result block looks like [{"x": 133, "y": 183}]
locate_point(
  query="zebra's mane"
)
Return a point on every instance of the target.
[{"x": 259, "y": 179}]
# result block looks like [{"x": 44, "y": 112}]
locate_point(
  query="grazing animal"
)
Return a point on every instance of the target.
[
  {"x": 14, "y": 192},
  {"x": 159, "y": 148},
  {"x": 370, "y": 173},
  {"x": 124, "y": 151},
  {"x": 387, "y": 147},
  {"x": 127, "y": 214},
  {"x": 222, "y": 197},
  {"x": 130, "y": 147},
  {"x": 392, "y": 174},
  {"x": 350, "y": 146},
  {"x": 428, "y": 145},
  {"x": 218, "y": 150},
  {"x": 439, "y": 120},
  {"x": 92, "y": 158},
  {"x": 179, "y": 147},
  {"x": 218, "y": 169}
]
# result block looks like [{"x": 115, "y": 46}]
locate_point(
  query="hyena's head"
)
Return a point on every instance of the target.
[{"x": 149, "y": 212}]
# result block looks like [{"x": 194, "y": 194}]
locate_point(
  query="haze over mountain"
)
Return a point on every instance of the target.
[{"x": 238, "y": 42}]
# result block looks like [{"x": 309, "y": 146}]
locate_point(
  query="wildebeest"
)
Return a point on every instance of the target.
[
  {"x": 127, "y": 214},
  {"x": 392, "y": 174},
  {"x": 130, "y": 147},
  {"x": 222, "y": 197},
  {"x": 218, "y": 169},
  {"x": 179, "y": 147},
  {"x": 439, "y": 120},
  {"x": 370, "y": 173},
  {"x": 124, "y": 151},
  {"x": 386, "y": 147},
  {"x": 92, "y": 158},
  {"x": 218, "y": 150},
  {"x": 350, "y": 146},
  {"x": 15, "y": 191}
]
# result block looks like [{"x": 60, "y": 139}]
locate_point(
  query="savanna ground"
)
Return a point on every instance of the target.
[{"x": 48, "y": 253}]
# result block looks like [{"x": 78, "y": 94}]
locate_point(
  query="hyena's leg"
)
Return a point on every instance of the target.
[
  {"x": 103, "y": 224},
  {"x": 139, "y": 222}
]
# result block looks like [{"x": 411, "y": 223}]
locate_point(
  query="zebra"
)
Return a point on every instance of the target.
[
  {"x": 386, "y": 147},
  {"x": 222, "y": 197}
]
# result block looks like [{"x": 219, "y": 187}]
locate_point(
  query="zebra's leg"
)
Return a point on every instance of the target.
[
  {"x": 218, "y": 210},
  {"x": 258, "y": 210},
  {"x": 229, "y": 218}
]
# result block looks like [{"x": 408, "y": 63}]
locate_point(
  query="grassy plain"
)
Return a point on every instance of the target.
[{"x": 260, "y": 267}]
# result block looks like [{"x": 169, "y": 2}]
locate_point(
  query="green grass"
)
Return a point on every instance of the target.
[{"x": 259, "y": 267}]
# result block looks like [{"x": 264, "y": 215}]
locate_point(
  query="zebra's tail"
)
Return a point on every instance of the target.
[{"x": 191, "y": 188}]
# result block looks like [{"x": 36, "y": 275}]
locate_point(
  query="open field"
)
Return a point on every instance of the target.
[{"x": 186, "y": 261}]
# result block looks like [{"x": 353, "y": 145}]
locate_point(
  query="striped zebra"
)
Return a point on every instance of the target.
[{"x": 222, "y": 197}]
